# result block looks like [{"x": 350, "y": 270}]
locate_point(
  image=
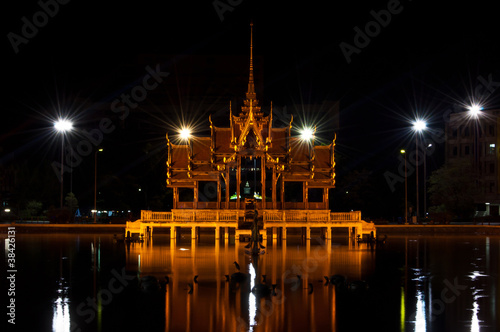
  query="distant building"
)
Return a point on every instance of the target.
[{"x": 477, "y": 140}]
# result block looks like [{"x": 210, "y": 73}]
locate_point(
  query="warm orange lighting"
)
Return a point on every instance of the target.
[
  {"x": 307, "y": 134},
  {"x": 185, "y": 133}
]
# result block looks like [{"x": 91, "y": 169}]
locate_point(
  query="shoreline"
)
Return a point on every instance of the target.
[
  {"x": 64, "y": 228},
  {"x": 381, "y": 229},
  {"x": 439, "y": 229}
]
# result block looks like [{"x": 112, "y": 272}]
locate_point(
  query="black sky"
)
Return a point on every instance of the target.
[{"x": 426, "y": 59}]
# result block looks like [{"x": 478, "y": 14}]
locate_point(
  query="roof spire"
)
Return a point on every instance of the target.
[{"x": 251, "y": 87}]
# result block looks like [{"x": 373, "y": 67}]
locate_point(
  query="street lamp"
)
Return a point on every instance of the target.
[
  {"x": 425, "y": 178},
  {"x": 95, "y": 184},
  {"x": 406, "y": 191},
  {"x": 474, "y": 113},
  {"x": 185, "y": 135},
  {"x": 418, "y": 127},
  {"x": 475, "y": 110},
  {"x": 62, "y": 126},
  {"x": 307, "y": 134}
]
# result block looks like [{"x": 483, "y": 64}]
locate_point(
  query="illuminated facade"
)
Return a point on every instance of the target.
[
  {"x": 477, "y": 140},
  {"x": 250, "y": 161}
]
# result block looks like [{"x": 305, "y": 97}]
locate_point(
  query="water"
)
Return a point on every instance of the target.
[{"x": 71, "y": 282}]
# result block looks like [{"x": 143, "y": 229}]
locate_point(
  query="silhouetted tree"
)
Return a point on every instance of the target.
[
  {"x": 452, "y": 189},
  {"x": 71, "y": 203},
  {"x": 32, "y": 209}
]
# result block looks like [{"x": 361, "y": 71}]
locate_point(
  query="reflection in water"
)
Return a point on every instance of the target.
[
  {"x": 420, "y": 323},
  {"x": 461, "y": 289},
  {"x": 309, "y": 304},
  {"x": 415, "y": 283},
  {"x": 252, "y": 301},
  {"x": 477, "y": 293},
  {"x": 61, "y": 316},
  {"x": 475, "y": 320},
  {"x": 422, "y": 303},
  {"x": 403, "y": 311}
]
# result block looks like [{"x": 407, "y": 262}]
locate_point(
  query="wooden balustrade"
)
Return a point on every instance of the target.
[
  {"x": 268, "y": 216},
  {"x": 228, "y": 215},
  {"x": 346, "y": 216}
]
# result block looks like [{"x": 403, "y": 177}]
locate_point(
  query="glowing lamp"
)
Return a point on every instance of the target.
[
  {"x": 63, "y": 125},
  {"x": 306, "y": 134},
  {"x": 419, "y": 125},
  {"x": 475, "y": 110},
  {"x": 185, "y": 133}
]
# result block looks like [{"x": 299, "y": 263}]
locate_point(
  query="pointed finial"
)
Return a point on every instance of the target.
[
  {"x": 251, "y": 87},
  {"x": 231, "y": 122}
]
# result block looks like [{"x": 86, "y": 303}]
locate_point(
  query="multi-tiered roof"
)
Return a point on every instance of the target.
[{"x": 250, "y": 134}]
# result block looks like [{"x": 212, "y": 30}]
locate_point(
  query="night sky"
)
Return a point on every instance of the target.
[{"x": 418, "y": 58}]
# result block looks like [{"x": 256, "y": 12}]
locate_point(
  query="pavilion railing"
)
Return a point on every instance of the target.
[
  {"x": 346, "y": 216},
  {"x": 269, "y": 216}
]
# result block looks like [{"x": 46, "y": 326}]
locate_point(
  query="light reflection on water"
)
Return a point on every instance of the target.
[
  {"x": 420, "y": 321},
  {"x": 61, "y": 319},
  {"x": 417, "y": 283},
  {"x": 246, "y": 310},
  {"x": 252, "y": 305}
]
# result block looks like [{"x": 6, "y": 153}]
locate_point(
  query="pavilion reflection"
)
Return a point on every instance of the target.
[{"x": 216, "y": 304}]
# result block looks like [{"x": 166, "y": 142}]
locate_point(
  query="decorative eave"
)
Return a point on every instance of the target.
[
  {"x": 269, "y": 138},
  {"x": 251, "y": 124},
  {"x": 247, "y": 137}
]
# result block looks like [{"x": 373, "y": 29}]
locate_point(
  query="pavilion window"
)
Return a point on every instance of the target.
[
  {"x": 186, "y": 195},
  {"x": 315, "y": 195},
  {"x": 293, "y": 191},
  {"x": 207, "y": 191}
]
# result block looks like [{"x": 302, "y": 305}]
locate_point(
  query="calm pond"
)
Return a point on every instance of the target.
[{"x": 71, "y": 282}]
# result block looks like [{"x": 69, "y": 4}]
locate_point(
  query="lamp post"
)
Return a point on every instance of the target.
[
  {"x": 307, "y": 136},
  {"x": 95, "y": 184},
  {"x": 62, "y": 126},
  {"x": 425, "y": 178},
  {"x": 474, "y": 113},
  {"x": 185, "y": 135},
  {"x": 406, "y": 190},
  {"x": 418, "y": 126}
]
